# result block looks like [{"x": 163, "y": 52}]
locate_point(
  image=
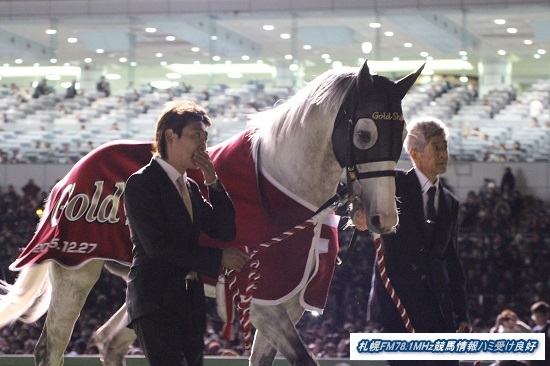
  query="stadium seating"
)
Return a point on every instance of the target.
[{"x": 51, "y": 129}]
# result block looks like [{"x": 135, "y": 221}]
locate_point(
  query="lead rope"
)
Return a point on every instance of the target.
[
  {"x": 243, "y": 306},
  {"x": 387, "y": 284},
  {"x": 380, "y": 261}
]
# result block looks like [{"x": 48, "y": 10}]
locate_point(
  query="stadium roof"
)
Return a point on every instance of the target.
[{"x": 313, "y": 33}]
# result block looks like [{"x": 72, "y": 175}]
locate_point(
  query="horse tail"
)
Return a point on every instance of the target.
[{"x": 28, "y": 298}]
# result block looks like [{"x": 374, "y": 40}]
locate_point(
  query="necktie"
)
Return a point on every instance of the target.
[
  {"x": 430, "y": 206},
  {"x": 184, "y": 193},
  {"x": 430, "y": 214}
]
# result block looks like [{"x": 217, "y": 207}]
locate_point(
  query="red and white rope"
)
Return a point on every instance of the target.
[
  {"x": 243, "y": 305},
  {"x": 380, "y": 260}
]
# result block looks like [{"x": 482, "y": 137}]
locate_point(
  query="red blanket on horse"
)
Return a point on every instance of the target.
[
  {"x": 84, "y": 216},
  {"x": 304, "y": 261},
  {"x": 84, "y": 219}
]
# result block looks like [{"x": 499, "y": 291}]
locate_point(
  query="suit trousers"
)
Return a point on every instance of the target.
[{"x": 174, "y": 335}]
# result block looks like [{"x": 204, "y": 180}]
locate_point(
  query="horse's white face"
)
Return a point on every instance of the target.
[{"x": 374, "y": 205}]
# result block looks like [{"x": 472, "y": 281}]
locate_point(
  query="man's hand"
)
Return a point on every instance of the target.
[
  {"x": 233, "y": 258},
  {"x": 206, "y": 165}
]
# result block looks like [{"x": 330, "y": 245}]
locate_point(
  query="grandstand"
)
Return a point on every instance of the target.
[
  {"x": 55, "y": 130},
  {"x": 501, "y": 116},
  {"x": 50, "y": 129}
]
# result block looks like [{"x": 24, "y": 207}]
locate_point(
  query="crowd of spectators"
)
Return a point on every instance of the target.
[{"x": 504, "y": 242}]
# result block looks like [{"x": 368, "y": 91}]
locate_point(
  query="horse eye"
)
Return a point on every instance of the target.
[{"x": 365, "y": 134}]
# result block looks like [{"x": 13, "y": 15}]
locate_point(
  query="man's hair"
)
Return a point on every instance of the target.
[
  {"x": 421, "y": 130},
  {"x": 175, "y": 116},
  {"x": 540, "y": 307}
]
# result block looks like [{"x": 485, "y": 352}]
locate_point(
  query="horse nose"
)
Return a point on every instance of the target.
[{"x": 375, "y": 221}]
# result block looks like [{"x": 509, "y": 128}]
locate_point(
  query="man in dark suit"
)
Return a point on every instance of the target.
[
  {"x": 421, "y": 256},
  {"x": 166, "y": 213}
]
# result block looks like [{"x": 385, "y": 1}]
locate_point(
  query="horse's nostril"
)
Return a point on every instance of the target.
[{"x": 375, "y": 221}]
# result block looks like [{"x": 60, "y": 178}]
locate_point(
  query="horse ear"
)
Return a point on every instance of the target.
[
  {"x": 407, "y": 82},
  {"x": 364, "y": 79}
]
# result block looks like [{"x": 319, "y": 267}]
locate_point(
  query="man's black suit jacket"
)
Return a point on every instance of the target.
[
  {"x": 166, "y": 241},
  {"x": 428, "y": 278}
]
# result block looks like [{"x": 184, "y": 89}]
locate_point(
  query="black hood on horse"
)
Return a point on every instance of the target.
[{"x": 370, "y": 121}]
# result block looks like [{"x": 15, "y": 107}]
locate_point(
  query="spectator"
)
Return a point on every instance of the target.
[
  {"x": 103, "y": 86},
  {"x": 41, "y": 89},
  {"x": 541, "y": 317},
  {"x": 508, "y": 181},
  {"x": 30, "y": 190},
  {"x": 517, "y": 152},
  {"x": 536, "y": 107},
  {"x": 508, "y": 322},
  {"x": 469, "y": 210},
  {"x": 71, "y": 90}
]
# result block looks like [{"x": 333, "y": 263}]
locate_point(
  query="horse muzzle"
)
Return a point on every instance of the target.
[{"x": 377, "y": 223}]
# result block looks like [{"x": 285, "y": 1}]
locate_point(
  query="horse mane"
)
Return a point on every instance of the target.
[{"x": 326, "y": 92}]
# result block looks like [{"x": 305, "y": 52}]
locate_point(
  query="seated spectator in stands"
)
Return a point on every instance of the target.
[
  {"x": 540, "y": 311},
  {"x": 516, "y": 146},
  {"x": 205, "y": 94},
  {"x": 16, "y": 157},
  {"x": 14, "y": 89},
  {"x": 71, "y": 90},
  {"x": 30, "y": 190},
  {"x": 508, "y": 322},
  {"x": 469, "y": 210},
  {"x": 5, "y": 118},
  {"x": 536, "y": 108},
  {"x": 3, "y": 156},
  {"x": 487, "y": 141},
  {"x": 541, "y": 317},
  {"x": 517, "y": 153},
  {"x": 103, "y": 86},
  {"x": 61, "y": 112},
  {"x": 498, "y": 154},
  {"x": 41, "y": 89}
]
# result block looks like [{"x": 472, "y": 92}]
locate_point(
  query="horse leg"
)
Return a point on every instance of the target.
[
  {"x": 70, "y": 288},
  {"x": 263, "y": 353},
  {"x": 275, "y": 330},
  {"x": 113, "y": 338}
]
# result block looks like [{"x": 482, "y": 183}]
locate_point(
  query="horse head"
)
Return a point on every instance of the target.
[{"x": 367, "y": 141}]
